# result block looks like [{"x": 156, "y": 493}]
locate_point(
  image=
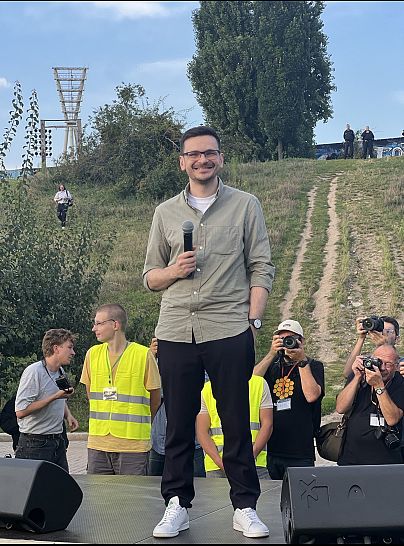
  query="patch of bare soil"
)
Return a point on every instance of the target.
[
  {"x": 323, "y": 305},
  {"x": 294, "y": 284}
]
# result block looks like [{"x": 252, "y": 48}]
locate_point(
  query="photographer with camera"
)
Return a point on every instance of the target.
[
  {"x": 40, "y": 404},
  {"x": 379, "y": 330},
  {"x": 297, "y": 383},
  {"x": 374, "y": 395}
]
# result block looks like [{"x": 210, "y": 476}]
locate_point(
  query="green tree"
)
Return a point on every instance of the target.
[
  {"x": 128, "y": 139},
  {"x": 223, "y": 75},
  {"x": 47, "y": 280},
  {"x": 262, "y": 74}
]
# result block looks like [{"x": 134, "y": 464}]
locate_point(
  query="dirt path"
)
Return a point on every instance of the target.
[
  {"x": 294, "y": 284},
  {"x": 323, "y": 305}
]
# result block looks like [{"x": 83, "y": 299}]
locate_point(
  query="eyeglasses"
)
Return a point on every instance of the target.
[
  {"x": 209, "y": 154},
  {"x": 95, "y": 323}
]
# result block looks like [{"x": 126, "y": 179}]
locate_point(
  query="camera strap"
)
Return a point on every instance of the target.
[{"x": 61, "y": 372}]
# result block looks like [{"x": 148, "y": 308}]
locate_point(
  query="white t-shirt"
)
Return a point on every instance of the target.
[
  {"x": 201, "y": 203},
  {"x": 63, "y": 197}
]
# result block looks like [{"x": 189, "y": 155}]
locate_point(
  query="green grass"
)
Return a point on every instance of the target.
[{"x": 370, "y": 204}]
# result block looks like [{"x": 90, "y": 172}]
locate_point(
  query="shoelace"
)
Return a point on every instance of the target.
[
  {"x": 172, "y": 511},
  {"x": 251, "y": 515}
]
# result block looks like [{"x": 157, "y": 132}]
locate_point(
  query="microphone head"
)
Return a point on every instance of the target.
[{"x": 187, "y": 226}]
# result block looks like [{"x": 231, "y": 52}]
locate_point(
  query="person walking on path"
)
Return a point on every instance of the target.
[{"x": 64, "y": 200}]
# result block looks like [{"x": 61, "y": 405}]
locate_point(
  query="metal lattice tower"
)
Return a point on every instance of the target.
[{"x": 70, "y": 86}]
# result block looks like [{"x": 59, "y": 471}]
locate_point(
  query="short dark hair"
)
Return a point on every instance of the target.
[
  {"x": 392, "y": 321},
  {"x": 200, "y": 130},
  {"x": 117, "y": 312},
  {"x": 56, "y": 336}
]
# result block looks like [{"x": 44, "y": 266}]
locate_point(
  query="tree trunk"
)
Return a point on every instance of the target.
[{"x": 280, "y": 149}]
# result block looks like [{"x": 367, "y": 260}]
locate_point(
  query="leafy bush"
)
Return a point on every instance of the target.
[{"x": 48, "y": 279}]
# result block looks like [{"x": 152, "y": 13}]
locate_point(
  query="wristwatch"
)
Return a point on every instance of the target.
[
  {"x": 304, "y": 363},
  {"x": 380, "y": 390},
  {"x": 256, "y": 322}
]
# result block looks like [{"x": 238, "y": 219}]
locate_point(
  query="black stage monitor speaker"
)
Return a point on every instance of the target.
[
  {"x": 37, "y": 496},
  {"x": 327, "y": 503}
]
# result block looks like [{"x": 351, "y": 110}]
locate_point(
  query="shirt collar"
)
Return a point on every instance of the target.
[{"x": 218, "y": 192}]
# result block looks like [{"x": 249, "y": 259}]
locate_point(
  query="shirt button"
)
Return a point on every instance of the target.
[
  {"x": 201, "y": 248},
  {"x": 198, "y": 269}
]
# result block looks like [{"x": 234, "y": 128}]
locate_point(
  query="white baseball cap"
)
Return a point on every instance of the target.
[{"x": 290, "y": 326}]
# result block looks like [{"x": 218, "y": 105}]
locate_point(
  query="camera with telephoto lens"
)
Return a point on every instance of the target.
[
  {"x": 63, "y": 383},
  {"x": 290, "y": 342},
  {"x": 390, "y": 436},
  {"x": 373, "y": 324},
  {"x": 371, "y": 362}
]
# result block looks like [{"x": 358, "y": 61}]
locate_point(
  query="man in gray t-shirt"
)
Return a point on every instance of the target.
[{"x": 40, "y": 404}]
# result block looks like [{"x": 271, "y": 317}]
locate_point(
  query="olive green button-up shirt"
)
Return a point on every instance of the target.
[{"x": 233, "y": 255}]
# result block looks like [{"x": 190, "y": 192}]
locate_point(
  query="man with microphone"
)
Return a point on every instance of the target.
[{"x": 214, "y": 296}]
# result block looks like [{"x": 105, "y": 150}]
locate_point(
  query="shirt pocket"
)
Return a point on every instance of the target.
[{"x": 223, "y": 240}]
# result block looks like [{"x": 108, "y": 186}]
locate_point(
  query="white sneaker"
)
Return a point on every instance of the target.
[
  {"x": 247, "y": 521},
  {"x": 175, "y": 519}
]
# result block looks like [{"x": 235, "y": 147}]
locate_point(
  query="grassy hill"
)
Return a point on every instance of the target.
[{"x": 356, "y": 258}]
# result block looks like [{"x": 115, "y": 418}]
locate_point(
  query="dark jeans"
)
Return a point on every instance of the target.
[
  {"x": 367, "y": 149},
  {"x": 43, "y": 447},
  {"x": 348, "y": 149},
  {"x": 62, "y": 213},
  {"x": 277, "y": 465},
  {"x": 156, "y": 463},
  {"x": 229, "y": 363}
]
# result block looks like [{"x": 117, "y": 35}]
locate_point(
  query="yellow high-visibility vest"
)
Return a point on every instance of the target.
[
  {"x": 256, "y": 387},
  {"x": 129, "y": 416}
]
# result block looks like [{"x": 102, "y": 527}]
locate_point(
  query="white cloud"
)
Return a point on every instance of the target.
[
  {"x": 137, "y": 10},
  {"x": 171, "y": 66},
  {"x": 4, "y": 83},
  {"x": 399, "y": 96}
]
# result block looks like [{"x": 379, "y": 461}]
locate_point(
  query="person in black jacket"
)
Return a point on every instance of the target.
[
  {"x": 349, "y": 137},
  {"x": 367, "y": 138}
]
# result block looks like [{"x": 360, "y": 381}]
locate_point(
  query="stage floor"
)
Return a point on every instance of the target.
[{"x": 125, "y": 509}]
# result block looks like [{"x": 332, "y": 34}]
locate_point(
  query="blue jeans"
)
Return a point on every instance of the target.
[{"x": 43, "y": 447}]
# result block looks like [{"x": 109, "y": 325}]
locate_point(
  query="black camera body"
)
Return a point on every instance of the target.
[
  {"x": 373, "y": 324},
  {"x": 390, "y": 436},
  {"x": 290, "y": 342},
  {"x": 371, "y": 362},
  {"x": 63, "y": 383}
]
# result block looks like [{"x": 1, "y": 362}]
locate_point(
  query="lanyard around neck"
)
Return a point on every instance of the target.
[{"x": 111, "y": 368}]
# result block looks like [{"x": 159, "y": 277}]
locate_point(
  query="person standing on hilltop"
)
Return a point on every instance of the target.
[
  {"x": 349, "y": 137},
  {"x": 367, "y": 142},
  {"x": 213, "y": 302}
]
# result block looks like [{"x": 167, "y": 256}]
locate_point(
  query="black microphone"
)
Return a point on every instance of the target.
[{"x": 187, "y": 228}]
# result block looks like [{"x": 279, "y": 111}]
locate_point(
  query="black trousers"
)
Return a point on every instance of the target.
[
  {"x": 62, "y": 213},
  {"x": 367, "y": 149},
  {"x": 229, "y": 363},
  {"x": 348, "y": 149}
]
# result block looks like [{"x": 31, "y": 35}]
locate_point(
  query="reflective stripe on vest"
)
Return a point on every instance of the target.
[
  {"x": 256, "y": 387},
  {"x": 129, "y": 416}
]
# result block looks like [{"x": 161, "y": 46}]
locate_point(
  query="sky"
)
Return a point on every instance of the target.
[{"x": 150, "y": 43}]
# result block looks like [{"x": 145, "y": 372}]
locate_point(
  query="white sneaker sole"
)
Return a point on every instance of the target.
[
  {"x": 261, "y": 534},
  {"x": 162, "y": 534}
]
